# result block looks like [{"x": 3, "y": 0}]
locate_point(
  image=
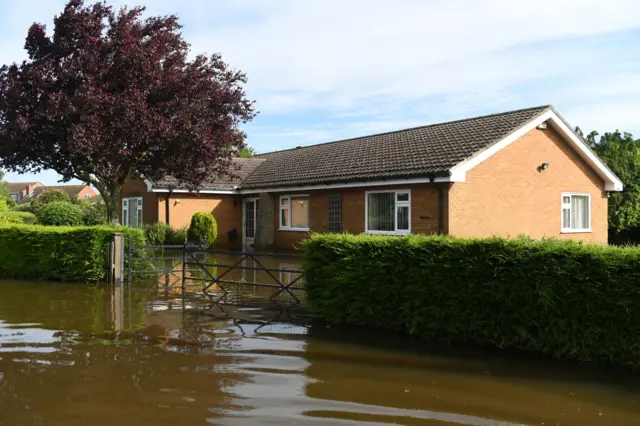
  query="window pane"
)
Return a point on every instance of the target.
[
  {"x": 381, "y": 211},
  {"x": 566, "y": 200},
  {"x": 403, "y": 218},
  {"x": 284, "y": 218},
  {"x": 284, "y": 202},
  {"x": 335, "y": 213},
  {"x": 566, "y": 218},
  {"x": 133, "y": 215},
  {"x": 403, "y": 197},
  {"x": 579, "y": 212},
  {"x": 299, "y": 212},
  {"x": 125, "y": 216}
]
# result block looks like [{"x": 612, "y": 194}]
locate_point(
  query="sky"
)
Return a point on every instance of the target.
[{"x": 323, "y": 70}]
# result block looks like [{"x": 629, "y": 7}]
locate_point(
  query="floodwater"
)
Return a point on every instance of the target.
[{"x": 90, "y": 355}]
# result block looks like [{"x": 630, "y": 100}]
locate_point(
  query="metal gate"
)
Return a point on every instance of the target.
[{"x": 215, "y": 274}]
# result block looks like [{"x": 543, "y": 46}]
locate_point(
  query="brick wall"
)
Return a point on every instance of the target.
[
  {"x": 137, "y": 188},
  {"x": 86, "y": 190},
  {"x": 506, "y": 195},
  {"x": 424, "y": 212},
  {"x": 183, "y": 206}
]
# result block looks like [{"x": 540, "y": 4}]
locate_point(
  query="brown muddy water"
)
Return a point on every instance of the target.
[{"x": 88, "y": 355}]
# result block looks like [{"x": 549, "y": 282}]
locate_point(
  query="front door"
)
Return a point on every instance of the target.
[{"x": 250, "y": 220}]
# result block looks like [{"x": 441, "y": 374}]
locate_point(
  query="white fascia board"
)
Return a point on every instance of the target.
[
  {"x": 612, "y": 182},
  {"x": 392, "y": 182}
]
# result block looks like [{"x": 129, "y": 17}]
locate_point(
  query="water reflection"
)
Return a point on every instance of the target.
[{"x": 77, "y": 355}]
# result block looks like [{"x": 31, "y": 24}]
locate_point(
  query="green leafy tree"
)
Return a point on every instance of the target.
[
  {"x": 6, "y": 201},
  {"x": 246, "y": 152},
  {"x": 621, "y": 153}
]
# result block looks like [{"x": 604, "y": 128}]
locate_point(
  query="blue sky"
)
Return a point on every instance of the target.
[{"x": 322, "y": 70}]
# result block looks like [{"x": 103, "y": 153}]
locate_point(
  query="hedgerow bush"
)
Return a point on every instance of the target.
[
  {"x": 564, "y": 299},
  {"x": 93, "y": 214},
  {"x": 58, "y": 252},
  {"x": 60, "y": 213},
  {"x": 157, "y": 233},
  {"x": 17, "y": 217},
  {"x": 177, "y": 236},
  {"x": 203, "y": 228}
]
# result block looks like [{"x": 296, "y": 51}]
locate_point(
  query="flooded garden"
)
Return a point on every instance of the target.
[{"x": 74, "y": 354}]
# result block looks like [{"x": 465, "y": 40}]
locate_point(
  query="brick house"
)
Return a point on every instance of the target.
[
  {"x": 19, "y": 190},
  {"x": 79, "y": 192},
  {"x": 521, "y": 172}
]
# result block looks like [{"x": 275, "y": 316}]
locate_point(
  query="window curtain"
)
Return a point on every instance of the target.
[
  {"x": 579, "y": 212},
  {"x": 381, "y": 211}
]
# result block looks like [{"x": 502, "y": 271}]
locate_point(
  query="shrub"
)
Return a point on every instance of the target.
[
  {"x": 157, "y": 233},
  {"x": 24, "y": 207},
  {"x": 6, "y": 219},
  {"x": 58, "y": 253},
  {"x": 51, "y": 196},
  {"x": 177, "y": 236},
  {"x": 203, "y": 228},
  {"x": 60, "y": 213},
  {"x": 93, "y": 214},
  {"x": 18, "y": 217},
  {"x": 560, "y": 298}
]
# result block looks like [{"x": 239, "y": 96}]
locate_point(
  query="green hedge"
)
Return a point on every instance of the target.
[
  {"x": 23, "y": 216},
  {"x": 564, "y": 299},
  {"x": 58, "y": 252}
]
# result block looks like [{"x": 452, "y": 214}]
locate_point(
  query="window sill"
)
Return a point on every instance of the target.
[
  {"x": 294, "y": 229},
  {"x": 576, "y": 231},
  {"x": 399, "y": 233}
]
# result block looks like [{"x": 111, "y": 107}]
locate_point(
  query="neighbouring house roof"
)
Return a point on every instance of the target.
[
  {"x": 72, "y": 190},
  {"x": 241, "y": 169},
  {"x": 17, "y": 187},
  {"x": 438, "y": 152}
]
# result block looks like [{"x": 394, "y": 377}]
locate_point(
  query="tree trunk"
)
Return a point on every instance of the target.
[{"x": 111, "y": 197}]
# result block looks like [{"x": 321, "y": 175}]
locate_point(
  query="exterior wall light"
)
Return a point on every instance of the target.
[{"x": 542, "y": 167}]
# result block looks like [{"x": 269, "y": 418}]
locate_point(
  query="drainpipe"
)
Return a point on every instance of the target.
[
  {"x": 440, "y": 209},
  {"x": 440, "y": 187},
  {"x": 166, "y": 207}
]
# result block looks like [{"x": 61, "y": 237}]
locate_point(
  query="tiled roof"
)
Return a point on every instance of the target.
[
  {"x": 240, "y": 170},
  {"x": 416, "y": 152},
  {"x": 72, "y": 190},
  {"x": 18, "y": 186}
]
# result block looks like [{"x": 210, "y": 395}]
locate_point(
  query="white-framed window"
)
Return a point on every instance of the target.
[
  {"x": 132, "y": 212},
  {"x": 576, "y": 212},
  {"x": 87, "y": 196},
  {"x": 294, "y": 213},
  {"x": 388, "y": 212}
]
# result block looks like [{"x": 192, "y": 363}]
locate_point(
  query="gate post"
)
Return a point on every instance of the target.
[{"x": 117, "y": 262}]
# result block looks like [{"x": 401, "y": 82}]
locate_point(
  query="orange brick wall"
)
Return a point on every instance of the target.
[
  {"x": 137, "y": 188},
  {"x": 506, "y": 195},
  {"x": 183, "y": 206},
  {"x": 424, "y": 212},
  {"x": 86, "y": 190}
]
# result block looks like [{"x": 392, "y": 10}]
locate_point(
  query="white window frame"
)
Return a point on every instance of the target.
[
  {"x": 288, "y": 208},
  {"x": 126, "y": 204},
  {"x": 397, "y": 203},
  {"x": 564, "y": 230}
]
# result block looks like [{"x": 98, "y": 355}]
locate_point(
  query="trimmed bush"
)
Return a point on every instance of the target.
[
  {"x": 177, "y": 236},
  {"x": 18, "y": 217},
  {"x": 60, "y": 213},
  {"x": 93, "y": 214},
  {"x": 58, "y": 253},
  {"x": 6, "y": 219},
  {"x": 203, "y": 228},
  {"x": 559, "y": 298},
  {"x": 157, "y": 233}
]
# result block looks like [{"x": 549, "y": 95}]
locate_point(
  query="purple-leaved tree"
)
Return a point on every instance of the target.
[{"x": 110, "y": 95}]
